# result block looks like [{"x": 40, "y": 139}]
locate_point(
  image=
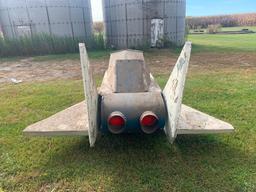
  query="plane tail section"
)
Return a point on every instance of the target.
[
  {"x": 173, "y": 92},
  {"x": 91, "y": 94}
]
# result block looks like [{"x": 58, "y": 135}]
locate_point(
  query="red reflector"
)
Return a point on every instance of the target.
[
  {"x": 116, "y": 121},
  {"x": 149, "y": 120}
]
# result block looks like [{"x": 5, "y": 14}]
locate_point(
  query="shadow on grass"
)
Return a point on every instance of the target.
[{"x": 128, "y": 161}]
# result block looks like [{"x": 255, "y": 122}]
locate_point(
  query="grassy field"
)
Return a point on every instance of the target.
[
  {"x": 61, "y": 57},
  {"x": 226, "y": 43},
  {"x": 201, "y": 43},
  {"x": 224, "y": 163},
  {"x": 252, "y": 28},
  {"x": 131, "y": 163}
]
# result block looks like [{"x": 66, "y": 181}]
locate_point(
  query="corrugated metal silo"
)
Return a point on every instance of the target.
[
  {"x": 70, "y": 18},
  {"x": 130, "y": 23}
]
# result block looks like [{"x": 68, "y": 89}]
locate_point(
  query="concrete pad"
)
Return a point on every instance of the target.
[
  {"x": 195, "y": 122},
  {"x": 70, "y": 122}
]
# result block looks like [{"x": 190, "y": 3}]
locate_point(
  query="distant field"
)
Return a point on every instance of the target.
[
  {"x": 201, "y": 43},
  {"x": 220, "y": 42},
  {"x": 252, "y": 28}
]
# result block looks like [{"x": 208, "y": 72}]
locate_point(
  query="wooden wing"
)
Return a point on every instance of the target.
[
  {"x": 69, "y": 122},
  {"x": 173, "y": 92},
  {"x": 91, "y": 94},
  {"x": 193, "y": 121}
]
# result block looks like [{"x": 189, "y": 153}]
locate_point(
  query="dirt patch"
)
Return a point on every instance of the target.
[
  {"x": 28, "y": 70},
  {"x": 164, "y": 62},
  {"x": 160, "y": 62}
]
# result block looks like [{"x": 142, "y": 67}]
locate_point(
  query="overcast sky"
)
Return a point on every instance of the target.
[
  {"x": 198, "y": 7},
  {"x": 97, "y": 10}
]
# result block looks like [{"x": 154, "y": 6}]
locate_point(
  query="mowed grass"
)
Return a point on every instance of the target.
[
  {"x": 73, "y": 56},
  {"x": 131, "y": 162},
  {"x": 60, "y": 57},
  {"x": 201, "y": 43},
  {"x": 225, "y": 162},
  {"x": 223, "y": 43},
  {"x": 252, "y": 28}
]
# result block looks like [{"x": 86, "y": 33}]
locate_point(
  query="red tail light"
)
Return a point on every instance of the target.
[
  {"x": 116, "y": 122},
  {"x": 149, "y": 122}
]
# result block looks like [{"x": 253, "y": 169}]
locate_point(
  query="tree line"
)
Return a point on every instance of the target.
[{"x": 235, "y": 20}]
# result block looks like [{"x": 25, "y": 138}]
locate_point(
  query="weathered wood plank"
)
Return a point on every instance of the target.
[
  {"x": 193, "y": 121},
  {"x": 91, "y": 95},
  {"x": 71, "y": 121},
  {"x": 173, "y": 92}
]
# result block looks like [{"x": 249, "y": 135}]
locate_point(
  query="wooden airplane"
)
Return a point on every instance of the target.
[{"x": 130, "y": 101}]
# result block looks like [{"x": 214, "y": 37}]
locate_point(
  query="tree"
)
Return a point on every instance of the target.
[{"x": 98, "y": 27}]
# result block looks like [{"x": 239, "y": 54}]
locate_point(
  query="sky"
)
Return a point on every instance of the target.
[{"x": 198, "y": 7}]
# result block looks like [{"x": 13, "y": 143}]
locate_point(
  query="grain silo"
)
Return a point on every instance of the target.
[
  {"x": 71, "y": 18},
  {"x": 134, "y": 23}
]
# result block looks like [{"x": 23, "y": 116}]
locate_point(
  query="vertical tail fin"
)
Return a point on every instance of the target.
[
  {"x": 91, "y": 94},
  {"x": 173, "y": 91}
]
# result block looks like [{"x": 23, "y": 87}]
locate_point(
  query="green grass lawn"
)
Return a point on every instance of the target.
[
  {"x": 73, "y": 56},
  {"x": 60, "y": 57},
  {"x": 223, "y": 43},
  {"x": 201, "y": 43},
  {"x": 252, "y": 28},
  {"x": 134, "y": 162}
]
